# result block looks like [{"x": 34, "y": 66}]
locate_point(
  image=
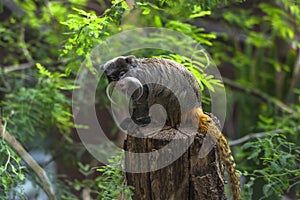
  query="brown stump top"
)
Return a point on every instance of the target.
[{"x": 169, "y": 166}]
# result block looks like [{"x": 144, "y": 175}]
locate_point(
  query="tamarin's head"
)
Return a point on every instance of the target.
[
  {"x": 116, "y": 68},
  {"x": 115, "y": 71}
]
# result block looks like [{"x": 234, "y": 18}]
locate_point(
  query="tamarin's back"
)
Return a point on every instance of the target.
[
  {"x": 169, "y": 84},
  {"x": 174, "y": 74}
]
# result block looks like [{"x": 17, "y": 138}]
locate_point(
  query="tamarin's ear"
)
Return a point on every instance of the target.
[
  {"x": 131, "y": 60},
  {"x": 105, "y": 65}
]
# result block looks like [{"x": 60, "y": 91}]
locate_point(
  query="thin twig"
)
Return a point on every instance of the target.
[
  {"x": 86, "y": 194},
  {"x": 17, "y": 146},
  {"x": 130, "y": 4},
  {"x": 123, "y": 186},
  {"x": 295, "y": 79},
  {"x": 257, "y": 135},
  {"x": 17, "y": 67},
  {"x": 24, "y": 46},
  {"x": 259, "y": 94},
  {"x": 8, "y": 160}
]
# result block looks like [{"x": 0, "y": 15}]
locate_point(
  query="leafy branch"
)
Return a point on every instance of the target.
[
  {"x": 46, "y": 184},
  {"x": 17, "y": 146},
  {"x": 251, "y": 136}
]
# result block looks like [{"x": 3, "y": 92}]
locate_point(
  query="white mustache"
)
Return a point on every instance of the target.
[{"x": 131, "y": 85}]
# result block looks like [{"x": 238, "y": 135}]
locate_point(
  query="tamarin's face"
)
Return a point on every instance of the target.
[
  {"x": 116, "y": 71},
  {"x": 117, "y": 68}
]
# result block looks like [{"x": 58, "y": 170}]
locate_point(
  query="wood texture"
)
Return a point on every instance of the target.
[{"x": 187, "y": 178}]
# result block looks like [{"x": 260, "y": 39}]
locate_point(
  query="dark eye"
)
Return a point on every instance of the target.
[
  {"x": 122, "y": 73},
  {"x": 112, "y": 78}
]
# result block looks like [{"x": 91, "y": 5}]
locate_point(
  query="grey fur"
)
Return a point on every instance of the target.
[{"x": 166, "y": 82}]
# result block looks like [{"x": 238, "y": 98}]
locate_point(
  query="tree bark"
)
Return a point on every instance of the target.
[{"x": 188, "y": 177}]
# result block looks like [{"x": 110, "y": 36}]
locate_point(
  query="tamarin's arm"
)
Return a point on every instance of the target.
[{"x": 206, "y": 125}]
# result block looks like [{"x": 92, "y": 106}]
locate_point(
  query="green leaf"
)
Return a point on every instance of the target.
[
  {"x": 43, "y": 71},
  {"x": 146, "y": 11},
  {"x": 200, "y": 14}
]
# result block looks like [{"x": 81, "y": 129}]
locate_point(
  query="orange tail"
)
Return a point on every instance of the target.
[{"x": 206, "y": 125}]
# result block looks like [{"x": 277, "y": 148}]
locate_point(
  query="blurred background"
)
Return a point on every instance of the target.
[{"x": 255, "y": 45}]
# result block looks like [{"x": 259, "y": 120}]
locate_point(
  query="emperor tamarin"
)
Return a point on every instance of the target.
[{"x": 168, "y": 83}]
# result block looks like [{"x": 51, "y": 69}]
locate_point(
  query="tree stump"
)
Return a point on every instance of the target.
[{"x": 163, "y": 176}]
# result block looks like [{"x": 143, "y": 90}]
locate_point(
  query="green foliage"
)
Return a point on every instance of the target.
[
  {"x": 11, "y": 171},
  {"x": 111, "y": 184},
  {"x": 275, "y": 159},
  {"x": 188, "y": 5},
  {"x": 30, "y": 113},
  {"x": 197, "y": 34},
  {"x": 45, "y": 103},
  {"x": 112, "y": 181},
  {"x": 259, "y": 49},
  {"x": 56, "y": 36},
  {"x": 86, "y": 30},
  {"x": 275, "y": 27},
  {"x": 279, "y": 18}
]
